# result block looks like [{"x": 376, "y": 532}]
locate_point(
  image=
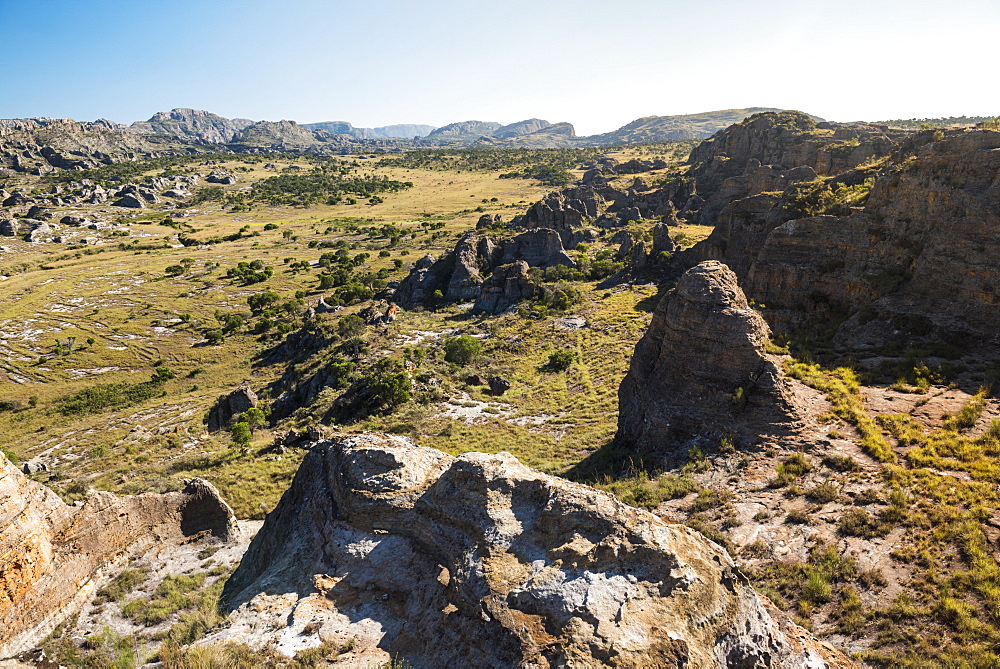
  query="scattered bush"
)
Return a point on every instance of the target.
[
  {"x": 463, "y": 349},
  {"x": 562, "y": 360},
  {"x": 389, "y": 383}
]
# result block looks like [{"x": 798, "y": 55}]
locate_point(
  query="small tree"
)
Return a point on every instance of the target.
[
  {"x": 463, "y": 349},
  {"x": 242, "y": 434},
  {"x": 390, "y": 385},
  {"x": 253, "y": 417}
]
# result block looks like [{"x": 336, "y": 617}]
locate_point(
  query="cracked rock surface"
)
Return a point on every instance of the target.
[{"x": 477, "y": 560}]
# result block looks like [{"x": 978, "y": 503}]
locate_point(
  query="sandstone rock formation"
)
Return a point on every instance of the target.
[
  {"x": 52, "y": 555},
  {"x": 480, "y": 561},
  {"x": 909, "y": 263},
  {"x": 564, "y": 211},
  {"x": 229, "y": 406},
  {"x": 541, "y": 247},
  {"x": 701, "y": 369},
  {"x": 192, "y": 125},
  {"x": 458, "y": 274},
  {"x": 472, "y": 256},
  {"x": 508, "y": 285}
]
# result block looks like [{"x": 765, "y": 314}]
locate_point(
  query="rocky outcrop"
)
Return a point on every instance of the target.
[
  {"x": 10, "y": 227},
  {"x": 566, "y": 211},
  {"x": 508, "y": 285},
  {"x": 457, "y": 275},
  {"x": 229, "y": 406},
  {"x": 193, "y": 125},
  {"x": 479, "y": 561},
  {"x": 911, "y": 263},
  {"x": 276, "y": 135},
  {"x": 541, "y": 247},
  {"x": 464, "y": 130},
  {"x": 473, "y": 255},
  {"x": 701, "y": 370},
  {"x": 521, "y": 128},
  {"x": 220, "y": 178},
  {"x": 130, "y": 200},
  {"x": 52, "y": 554}
]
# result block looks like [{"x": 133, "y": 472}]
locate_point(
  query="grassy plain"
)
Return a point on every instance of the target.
[{"x": 73, "y": 316}]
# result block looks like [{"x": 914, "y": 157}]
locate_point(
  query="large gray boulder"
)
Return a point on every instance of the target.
[
  {"x": 541, "y": 247},
  {"x": 479, "y": 561},
  {"x": 131, "y": 201},
  {"x": 229, "y": 406},
  {"x": 10, "y": 227}
]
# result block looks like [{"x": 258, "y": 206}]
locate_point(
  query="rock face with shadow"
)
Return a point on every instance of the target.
[
  {"x": 480, "y": 561},
  {"x": 52, "y": 555},
  {"x": 701, "y": 369}
]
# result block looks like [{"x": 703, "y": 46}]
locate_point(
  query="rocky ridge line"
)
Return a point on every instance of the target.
[{"x": 52, "y": 555}]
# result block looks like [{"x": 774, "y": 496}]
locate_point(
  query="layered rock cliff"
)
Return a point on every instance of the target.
[
  {"x": 52, "y": 555},
  {"x": 193, "y": 125},
  {"x": 480, "y": 561},
  {"x": 701, "y": 369}
]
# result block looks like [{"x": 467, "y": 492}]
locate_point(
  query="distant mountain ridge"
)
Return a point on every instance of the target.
[
  {"x": 396, "y": 131},
  {"x": 40, "y": 145}
]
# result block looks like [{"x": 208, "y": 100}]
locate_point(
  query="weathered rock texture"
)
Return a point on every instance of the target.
[
  {"x": 464, "y": 274},
  {"x": 220, "y": 417},
  {"x": 480, "y": 561},
  {"x": 507, "y": 286},
  {"x": 701, "y": 369},
  {"x": 52, "y": 555},
  {"x": 541, "y": 247}
]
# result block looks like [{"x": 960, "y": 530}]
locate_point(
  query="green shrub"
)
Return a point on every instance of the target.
[
  {"x": 463, "y": 349},
  {"x": 562, "y": 360},
  {"x": 390, "y": 384},
  {"x": 242, "y": 434}
]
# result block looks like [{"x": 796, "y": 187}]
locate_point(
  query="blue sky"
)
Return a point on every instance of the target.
[{"x": 595, "y": 64}]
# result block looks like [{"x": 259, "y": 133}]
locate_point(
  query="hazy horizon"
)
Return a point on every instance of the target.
[{"x": 596, "y": 65}]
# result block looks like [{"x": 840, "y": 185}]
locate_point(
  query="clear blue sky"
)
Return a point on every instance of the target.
[{"x": 596, "y": 64}]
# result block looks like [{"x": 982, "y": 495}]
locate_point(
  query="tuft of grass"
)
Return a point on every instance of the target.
[
  {"x": 121, "y": 586},
  {"x": 175, "y": 593},
  {"x": 646, "y": 492},
  {"x": 842, "y": 388}
]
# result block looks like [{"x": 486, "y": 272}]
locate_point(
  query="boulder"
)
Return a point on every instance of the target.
[
  {"x": 487, "y": 220},
  {"x": 498, "y": 385},
  {"x": 701, "y": 369},
  {"x": 10, "y": 227},
  {"x": 40, "y": 231},
  {"x": 39, "y": 212},
  {"x": 224, "y": 179},
  {"x": 52, "y": 555},
  {"x": 541, "y": 247},
  {"x": 228, "y": 406},
  {"x": 624, "y": 240},
  {"x": 479, "y": 561},
  {"x": 34, "y": 467},
  {"x": 662, "y": 241},
  {"x": 130, "y": 200},
  {"x": 508, "y": 285}
]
